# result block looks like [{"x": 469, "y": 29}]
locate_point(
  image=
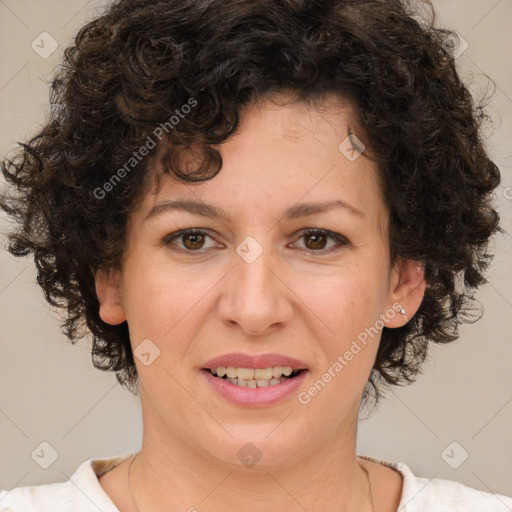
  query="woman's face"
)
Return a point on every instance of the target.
[{"x": 255, "y": 284}]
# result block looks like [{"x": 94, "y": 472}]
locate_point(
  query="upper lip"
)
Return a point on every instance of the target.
[{"x": 240, "y": 360}]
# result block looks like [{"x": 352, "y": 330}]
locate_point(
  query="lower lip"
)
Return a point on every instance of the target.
[{"x": 255, "y": 397}]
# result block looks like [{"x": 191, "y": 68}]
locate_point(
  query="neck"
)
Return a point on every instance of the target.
[{"x": 169, "y": 470}]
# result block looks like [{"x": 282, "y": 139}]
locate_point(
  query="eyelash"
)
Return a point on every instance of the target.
[{"x": 304, "y": 233}]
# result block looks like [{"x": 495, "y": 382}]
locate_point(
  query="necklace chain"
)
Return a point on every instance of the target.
[
  {"x": 370, "y": 494},
  {"x": 129, "y": 485}
]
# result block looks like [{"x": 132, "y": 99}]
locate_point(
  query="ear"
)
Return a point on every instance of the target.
[
  {"x": 109, "y": 297},
  {"x": 407, "y": 288}
]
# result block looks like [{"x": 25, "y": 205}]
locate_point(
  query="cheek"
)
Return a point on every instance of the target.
[
  {"x": 345, "y": 302},
  {"x": 158, "y": 294},
  {"x": 342, "y": 311},
  {"x": 168, "y": 307}
]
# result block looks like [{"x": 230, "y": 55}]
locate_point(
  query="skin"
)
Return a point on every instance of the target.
[{"x": 302, "y": 297}]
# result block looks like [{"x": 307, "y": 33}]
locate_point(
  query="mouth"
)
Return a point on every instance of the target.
[{"x": 255, "y": 377}]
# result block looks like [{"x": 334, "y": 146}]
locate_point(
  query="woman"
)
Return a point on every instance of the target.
[{"x": 250, "y": 205}]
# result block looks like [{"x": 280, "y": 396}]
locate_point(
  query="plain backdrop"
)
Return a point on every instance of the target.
[{"x": 455, "y": 422}]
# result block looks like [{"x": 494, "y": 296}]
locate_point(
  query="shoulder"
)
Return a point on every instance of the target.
[
  {"x": 81, "y": 493},
  {"x": 450, "y": 496},
  {"x": 439, "y": 495}
]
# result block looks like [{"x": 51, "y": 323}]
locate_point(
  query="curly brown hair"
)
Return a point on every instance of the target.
[{"x": 129, "y": 71}]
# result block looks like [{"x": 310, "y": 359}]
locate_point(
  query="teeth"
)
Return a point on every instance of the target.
[
  {"x": 230, "y": 372},
  {"x": 277, "y": 371},
  {"x": 256, "y": 383},
  {"x": 259, "y": 374},
  {"x": 245, "y": 373},
  {"x": 263, "y": 374}
]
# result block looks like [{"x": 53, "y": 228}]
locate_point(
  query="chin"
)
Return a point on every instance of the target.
[{"x": 256, "y": 449}]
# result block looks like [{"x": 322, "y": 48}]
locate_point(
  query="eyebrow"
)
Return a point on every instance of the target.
[{"x": 208, "y": 210}]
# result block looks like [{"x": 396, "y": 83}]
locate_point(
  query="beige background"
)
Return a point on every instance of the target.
[{"x": 50, "y": 391}]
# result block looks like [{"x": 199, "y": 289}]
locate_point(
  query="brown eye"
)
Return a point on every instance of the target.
[
  {"x": 192, "y": 240},
  {"x": 316, "y": 240}
]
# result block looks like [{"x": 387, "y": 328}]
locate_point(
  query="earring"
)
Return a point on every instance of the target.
[{"x": 402, "y": 311}]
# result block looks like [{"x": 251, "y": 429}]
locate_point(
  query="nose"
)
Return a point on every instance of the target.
[{"x": 255, "y": 296}]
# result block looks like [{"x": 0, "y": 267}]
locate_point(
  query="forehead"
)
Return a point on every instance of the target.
[{"x": 282, "y": 153}]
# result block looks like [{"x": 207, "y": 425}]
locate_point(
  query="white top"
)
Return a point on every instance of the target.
[{"x": 83, "y": 493}]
